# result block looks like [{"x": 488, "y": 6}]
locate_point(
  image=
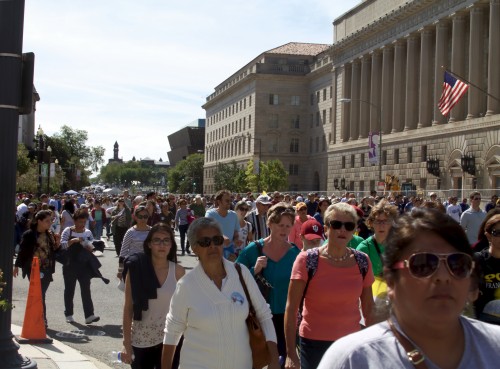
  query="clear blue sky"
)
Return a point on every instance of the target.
[{"x": 137, "y": 71}]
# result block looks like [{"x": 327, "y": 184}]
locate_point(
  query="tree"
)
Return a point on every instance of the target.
[
  {"x": 69, "y": 147},
  {"x": 187, "y": 175},
  {"x": 273, "y": 176},
  {"x": 230, "y": 176},
  {"x": 252, "y": 178}
]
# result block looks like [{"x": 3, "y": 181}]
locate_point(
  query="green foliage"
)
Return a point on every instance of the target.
[
  {"x": 131, "y": 173},
  {"x": 273, "y": 176},
  {"x": 187, "y": 175},
  {"x": 252, "y": 179},
  {"x": 230, "y": 176},
  {"x": 4, "y": 303}
]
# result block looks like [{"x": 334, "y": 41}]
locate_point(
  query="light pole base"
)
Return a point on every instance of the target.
[{"x": 12, "y": 359}]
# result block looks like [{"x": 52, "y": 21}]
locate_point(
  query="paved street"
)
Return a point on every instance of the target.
[{"x": 99, "y": 339}]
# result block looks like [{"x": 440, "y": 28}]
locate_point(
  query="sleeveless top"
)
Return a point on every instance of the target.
[{"x": 149, "y": 331}]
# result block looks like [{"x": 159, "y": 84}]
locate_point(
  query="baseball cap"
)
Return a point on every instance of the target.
[
  {"x": 264, "y": 199},
  {"x": 311, "y": 230},
  {"x": 300, "y": 205},
  {"x": 432, "y": 194},
  {"x": 299, "y": 199}
]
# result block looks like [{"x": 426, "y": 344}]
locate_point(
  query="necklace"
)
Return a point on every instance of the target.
[{"x": 342, "y": 258}]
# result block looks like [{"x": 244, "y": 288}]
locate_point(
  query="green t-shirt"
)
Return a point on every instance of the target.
[
  {"x": 368, "y": 247},
  {"x": 353, "y": 243},
  {"x": 277, "y": 273}
]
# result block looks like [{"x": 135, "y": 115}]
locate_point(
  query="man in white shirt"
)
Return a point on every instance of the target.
[
  {"x": 472, "y": 218},
  {"x": 453, "y": 209}
]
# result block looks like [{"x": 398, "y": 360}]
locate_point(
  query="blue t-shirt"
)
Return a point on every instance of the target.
[
  {"x": 229, "y": 223},
  {"x": 277, "y": 273}
]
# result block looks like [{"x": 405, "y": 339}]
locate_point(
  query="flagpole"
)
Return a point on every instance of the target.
[{"x": 470, "y": 83}]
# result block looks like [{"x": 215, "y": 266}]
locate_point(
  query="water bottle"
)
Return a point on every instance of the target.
[{"x": 116, "y": 357}]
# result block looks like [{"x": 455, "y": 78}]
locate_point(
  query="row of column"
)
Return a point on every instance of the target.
[
  {"x": 402, "y": 82},
  {"x": 228, "y": 149}
]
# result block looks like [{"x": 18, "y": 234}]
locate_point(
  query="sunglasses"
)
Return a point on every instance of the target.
[
  {"x": 495, "y": 232},
  {"x": 425, "y": 264},
  {"x": 477, "y": 198},
  {"x": 336, "y": 224},
  {"x": 159, "y": 241},
  {"x": 142, "y": 216},
  {"x": 207, "y": 241}
]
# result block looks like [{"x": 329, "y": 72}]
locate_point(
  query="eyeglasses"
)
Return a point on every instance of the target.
[
  {"x": 159, "y": 241},
  {"x": 336, "y": 224},
  {"x": 142, "y": 216},
  {"x": 381, "y": 222},
  {"x": 207, "y": 241},
  {"x": 477, "y": 198},
  {"x": 425, "y": 264},
  {"x": 495, "y": 232}
]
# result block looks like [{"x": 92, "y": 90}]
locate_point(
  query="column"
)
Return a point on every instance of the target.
[
  {"x": 364, "y": 107},
  {"x": 387, "y": 86},
  {"x": 426, "y": 88},
  {"x": 375, "y": 90},
  {"x": 458, "y": 61},
  {"x": 494, "y": 58},
  {"x": 476, "y": 52},
  {"x": 355, "y": 79},
  {"x": 398, "y": 107},
  {"x": 345, "y": 115},
  {"x": 442, "y": 59},
  {"x": 412, "y": 85}
]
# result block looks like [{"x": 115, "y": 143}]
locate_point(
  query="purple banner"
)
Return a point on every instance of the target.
[{"x": 373, "y": 147}]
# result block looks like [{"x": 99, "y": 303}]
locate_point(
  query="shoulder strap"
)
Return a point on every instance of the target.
[
  {"x": 260, "y": 246},
  {"x": 362, "y": 261},
  {"x": 378, "y": 249},
  {"x": 243, "y": 284},
  {"x": 312, "y": 260},
  {"x": 414, "y": 355}
]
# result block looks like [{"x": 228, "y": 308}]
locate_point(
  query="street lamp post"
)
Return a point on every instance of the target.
[
  {"x": 49, "y": 152},
  {"x": 40, "y": 149},
  {"x": 346, "y": 100}
]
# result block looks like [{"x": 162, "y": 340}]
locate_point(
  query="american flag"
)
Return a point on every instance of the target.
[{"x": 453, "y": 90}]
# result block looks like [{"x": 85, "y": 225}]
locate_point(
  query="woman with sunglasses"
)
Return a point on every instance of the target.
[
  {"x": 209, "y": 308},
  {"x": 273, "y": 258},
  {"x": 121, "y": 218},
  {"x": 150, "y": 280},
  {"x": 342, "y": 280},
  {"x": 133, "y": 241},
  {"x": 246, "y": 231},
  {"x": 428, "y": 266},
  {"x": 487, "y": 306}
]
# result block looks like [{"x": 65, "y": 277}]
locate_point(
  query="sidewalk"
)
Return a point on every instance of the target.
[{"x": 56, "y": 355}]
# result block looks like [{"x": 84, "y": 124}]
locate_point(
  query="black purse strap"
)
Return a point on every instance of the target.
[{"x": 243, "y": 284}]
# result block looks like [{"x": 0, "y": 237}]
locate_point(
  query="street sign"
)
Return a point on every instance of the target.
[{"x": 380, "y": 186}]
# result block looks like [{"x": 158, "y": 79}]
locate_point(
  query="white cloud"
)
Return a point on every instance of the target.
[{"x": 136, "y": 71}]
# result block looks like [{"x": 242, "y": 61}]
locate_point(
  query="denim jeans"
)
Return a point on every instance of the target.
[
  {"x": 97, "y": 230},
  {"x": 311, "y": 352},
  {"x": 182, "y": 231}
]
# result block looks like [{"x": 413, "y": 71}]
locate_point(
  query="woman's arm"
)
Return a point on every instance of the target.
[
  {"x": 295, "y": 292},
  {"x": 167, "y": 356},
  {"x": 367, "y": 305},
  {"x": 128, "y": 313},
  {"x": 179, "y": 272}
]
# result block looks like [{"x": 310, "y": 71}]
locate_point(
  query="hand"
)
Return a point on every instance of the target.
[
  {"x": 292, "y": 363},
  {"x": 15, "y": 272},
  {"x": 126, "y": 355},
  {"x": 260, "y": 263},
  {"x": 119, "y": 275},
  {"x": 274, "y": 365},
  {"x": 227, "y": 242}
]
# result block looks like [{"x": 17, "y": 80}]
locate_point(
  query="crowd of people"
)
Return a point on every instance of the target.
[{"x": 316, "y": 270}]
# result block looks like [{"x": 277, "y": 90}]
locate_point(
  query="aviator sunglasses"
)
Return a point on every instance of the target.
[
  {"x": 337, "y": 224},
  {"x": 495, "y": 232},
  {"x": 425, "y": 264},
  {"x": 207, "y": 241}
]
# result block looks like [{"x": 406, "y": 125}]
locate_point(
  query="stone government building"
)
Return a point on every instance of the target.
[{"x": 386, "y": 57}]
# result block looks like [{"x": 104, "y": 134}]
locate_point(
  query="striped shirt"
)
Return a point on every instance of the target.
[{"x": 259, "y": 224}]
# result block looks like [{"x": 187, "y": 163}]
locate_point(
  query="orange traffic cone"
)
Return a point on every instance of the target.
[{"x": 34, "y": 325}]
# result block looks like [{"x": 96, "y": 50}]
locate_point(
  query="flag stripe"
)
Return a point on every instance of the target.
[{"x": 453, "y": 90}]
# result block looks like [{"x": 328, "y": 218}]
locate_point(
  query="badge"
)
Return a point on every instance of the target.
[
  {"x": 237, "y": 298},
  {"x": 41, "y": 275}
]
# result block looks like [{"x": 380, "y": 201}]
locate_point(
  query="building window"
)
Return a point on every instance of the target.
[
  {"x": 423, "y": 154},
  {"x": 331, "y": 92},
  {"x": 361, "y": 186},
  {"x": 384, "y": 157},
  {"x": 312, "y": 120},
  {"x": 409, "y": 154},
  {"x": 293, "y": 169},
  {"x": 250, "y": 100},
  {"x": 396, "y": 156},
  {"x": 245, "y": 103},
  {"x": 317, "y": 119},
  {"x": 295, "y": 101},
  {"x": 250, "y": 121},
  {"x": 329, "y": 138},
  {"x": 330, "y": 117},
  {"x": 324, "y": 116},
  {"x": 324, "y": 143},
  {"x": 324, "y": 94},
  {"x": 273, "y": 145},
  {"x": 295, "y": 124},
  {"x": 362, "y": 160},
  {"x": 294, "y": 145},
  {"x": 244, "y": 123},
  {"x": 317, "y": 96},
  {"x": 312, "y": 99},
  {"x": 273, "y": 121},
  {"x": 353, "y": 160},
  {"x": 343, "y": 162},
  {"x": 273, "y": 99},
  {"x": 317, "y": 144},
  {"x": 310, "y": 145}
]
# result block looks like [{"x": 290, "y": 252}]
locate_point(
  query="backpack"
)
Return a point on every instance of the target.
[{"x": 312, "y": 267}]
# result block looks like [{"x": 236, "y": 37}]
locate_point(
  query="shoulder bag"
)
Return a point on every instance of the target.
[
  {"x": 260, "y": 352},
  {"x": 263, "y": 284}
]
